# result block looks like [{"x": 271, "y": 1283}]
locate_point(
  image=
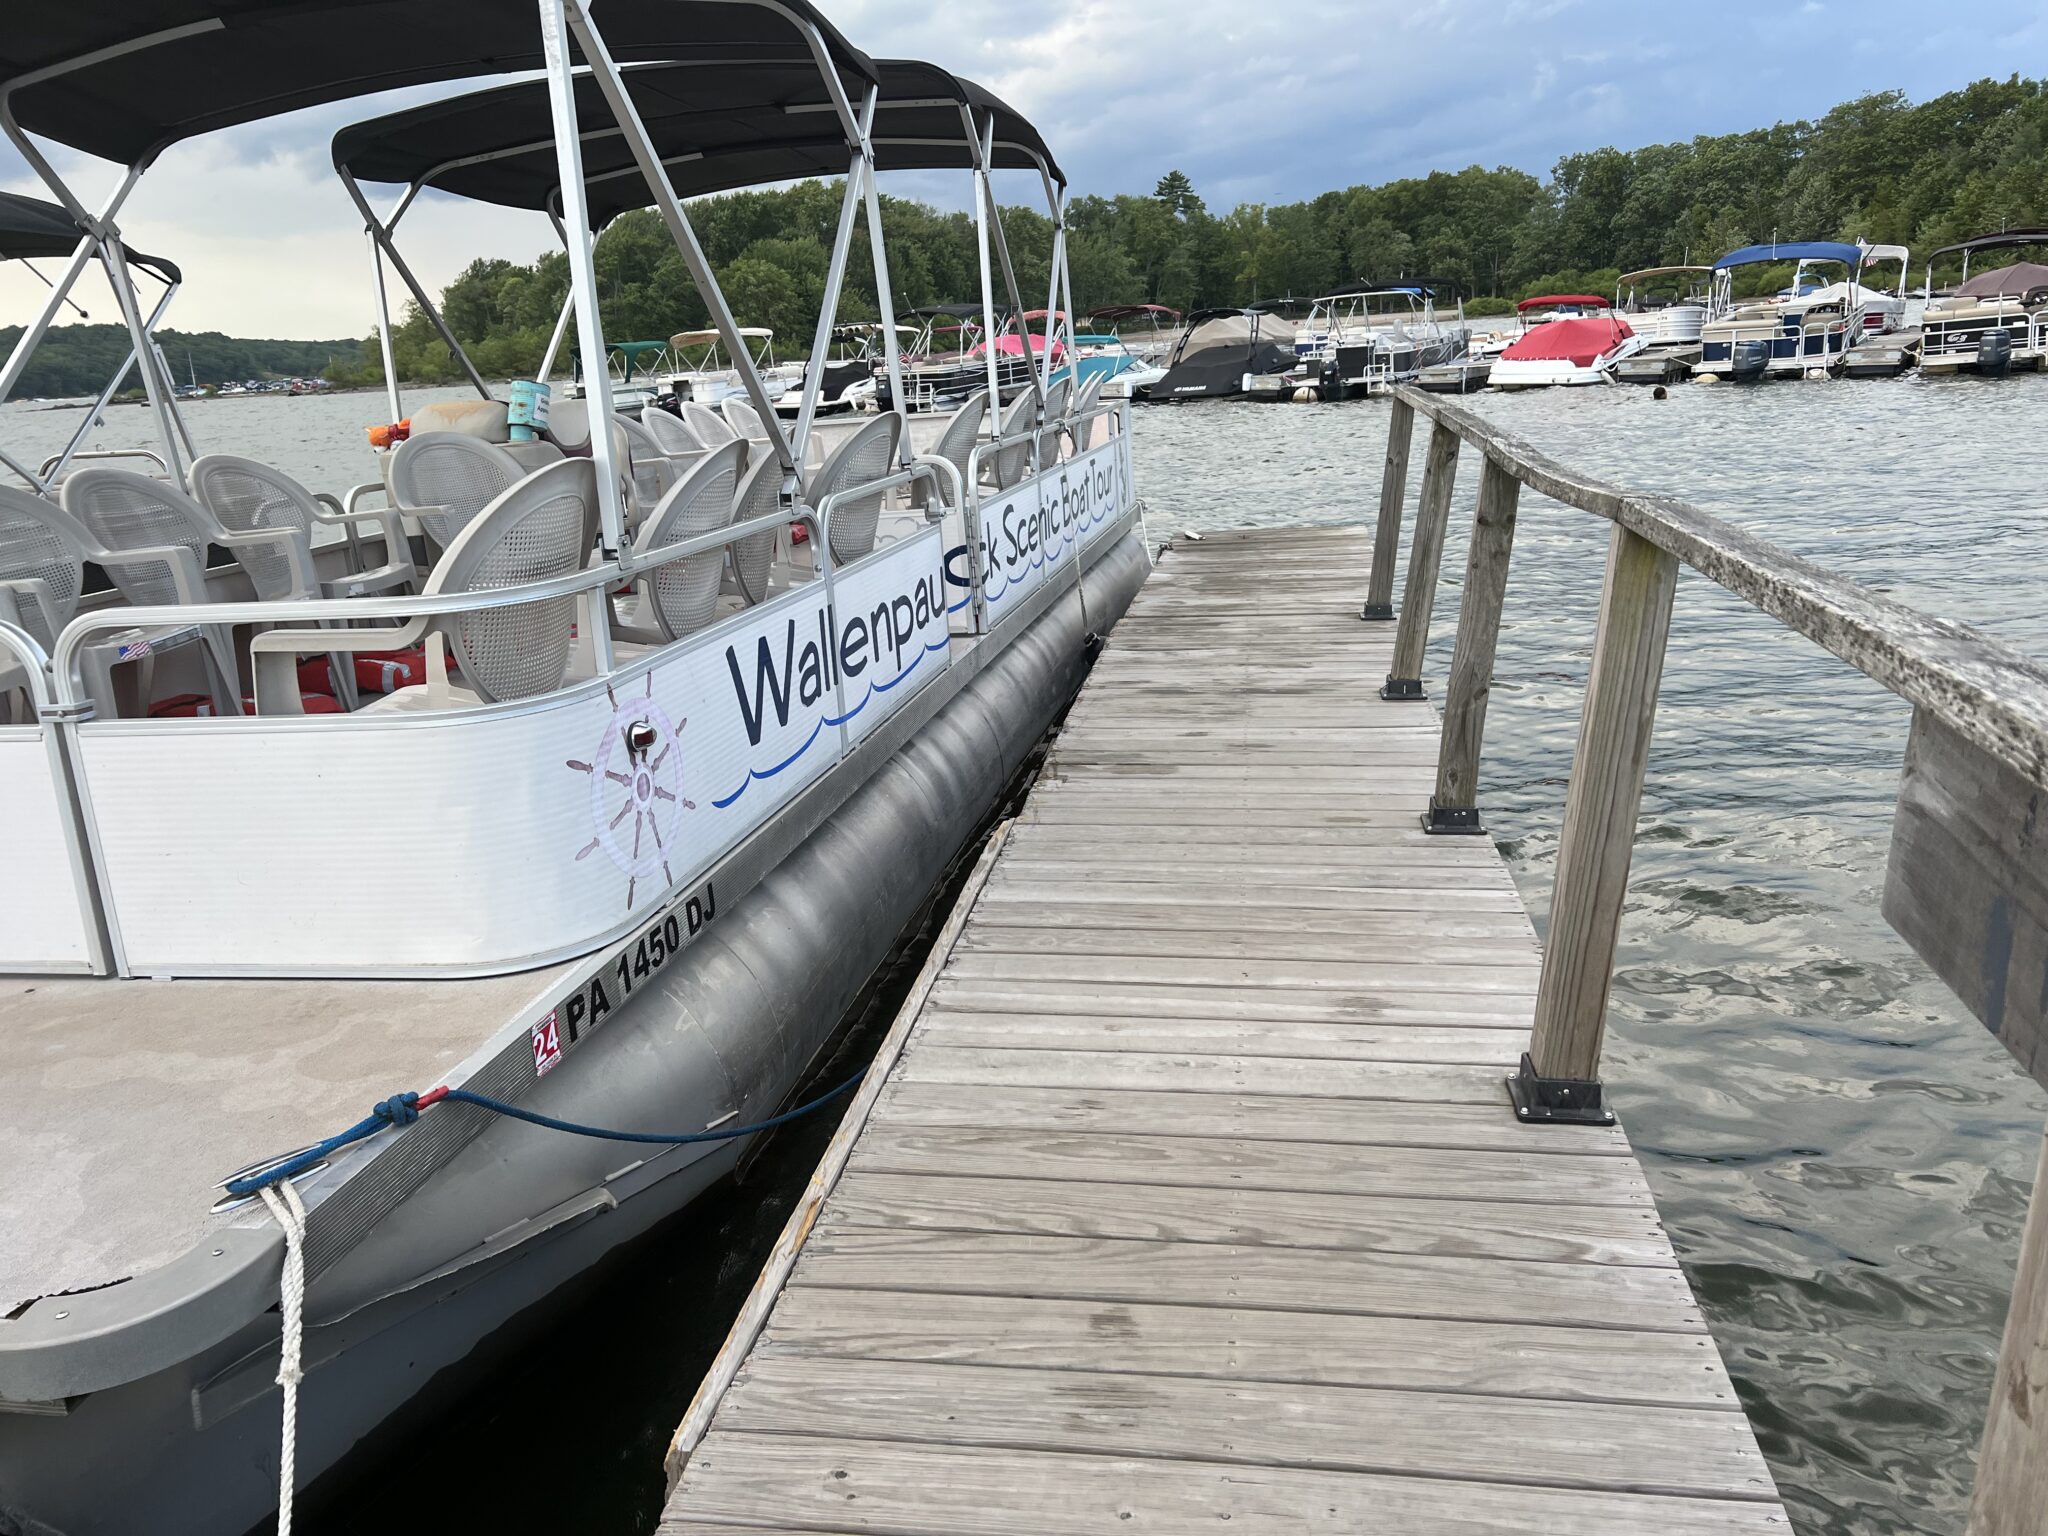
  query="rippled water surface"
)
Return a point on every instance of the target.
[{"x": 1840, "y": 1152}]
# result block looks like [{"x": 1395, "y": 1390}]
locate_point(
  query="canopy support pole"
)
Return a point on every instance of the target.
[
  {"x": 606, "y": 75},
  {"x": 84, "y": 428},
  {"x": 982, "y": 199},
  {"x": 154, "y": 384},
  {"x": 885, "y": 300},
  {"x": 547, "y": 361},
  {"x": 381, "y": 235},
  {"x": 1063, "y": 276},
  {"x": 1052, "y": 297},
  {"x": 835, "y": 281},
  {"x": 24, "y": 348},
  {"x": 597, "y": 380},
  {"x": 391, "y": 395}
]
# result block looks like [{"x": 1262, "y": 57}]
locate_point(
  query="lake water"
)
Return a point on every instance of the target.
[{"x": 1840, "y": 1152}]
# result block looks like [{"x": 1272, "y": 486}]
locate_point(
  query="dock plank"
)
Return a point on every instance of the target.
[{"x": 1191, "y": 1195}]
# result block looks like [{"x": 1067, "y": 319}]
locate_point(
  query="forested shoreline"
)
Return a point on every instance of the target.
[{"x": 1879, "y": 168}]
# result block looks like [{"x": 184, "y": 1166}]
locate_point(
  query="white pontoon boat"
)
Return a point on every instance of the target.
[
  {"x": 1995, "y": 322},
  {"x": 638, "y": 789}
]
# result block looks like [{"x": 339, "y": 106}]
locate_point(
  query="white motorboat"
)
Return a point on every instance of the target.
[
  {"x": 1573, "y": 338},
  {"x": 1806, "y": 328},
  {"x": 640, "y": 787},
  {"x": 1370, "y": 337}
]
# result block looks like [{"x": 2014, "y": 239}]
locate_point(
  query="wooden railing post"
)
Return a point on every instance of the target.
[
  {"x": 2011, "y": 1497},
  {"x": 1560, "y": 1074},
  {"x": 1386, "y": 539},
  {"x": 1455, "y": 805},
  {"x": 1425, "y": 552}
]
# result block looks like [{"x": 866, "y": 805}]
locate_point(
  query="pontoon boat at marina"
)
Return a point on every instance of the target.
[
  {"x": 1807, "y": 327},
  {"x": 1369, "y": 337},
  {"x": 1666, "y": 306},
  {"x": 1995, "y": 322},
  {"x": 704, "y": 374},
  {"x": 646, "y": 787},
  {"x": 636, "y": 369}
]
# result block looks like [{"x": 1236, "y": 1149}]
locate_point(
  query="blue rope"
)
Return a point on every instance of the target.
[{"x": 403, "y": 1109}]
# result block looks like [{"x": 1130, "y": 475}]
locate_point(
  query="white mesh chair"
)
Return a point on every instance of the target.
[
  {"x": 1010, "y": 465},
  {"x": 126, "y": 511},
  {"x": 1086, "y": 433},
  {"x": 43, "y": 551},
  {"x": 955, "y": 444},
  {"x": 444, "y": 479},
  {"x": 751, "y": 560},
  {"x": 1049, "y": 439},
  {"x": 682, "y": 596},
  {"x": 247, "y": 497},
  {"x": 744, "y": 420},
  {"x": 540, "y": 529},
  {"x": 710, "y": 428},
  {"x": 870, "y": 454},
  {"x": 649, "y": 470},
  {"x": 671, "y": 434}
]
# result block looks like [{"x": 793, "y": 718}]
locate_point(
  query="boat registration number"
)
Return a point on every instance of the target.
[{"x": 636, "y": 961}]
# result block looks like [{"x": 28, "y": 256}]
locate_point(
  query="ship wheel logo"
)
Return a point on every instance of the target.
[{"x": 636, "y": 790}]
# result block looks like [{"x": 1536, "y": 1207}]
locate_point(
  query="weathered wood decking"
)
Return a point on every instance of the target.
[{"x": 1194, "y": 1194}]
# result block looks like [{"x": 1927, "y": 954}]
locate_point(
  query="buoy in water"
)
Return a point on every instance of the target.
[{"x": 1304, "y": 394}]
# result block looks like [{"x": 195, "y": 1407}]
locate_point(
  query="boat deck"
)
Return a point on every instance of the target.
[
  {"x": 129, "y": 1129},
  {"x": 1192, "y": 1192}
]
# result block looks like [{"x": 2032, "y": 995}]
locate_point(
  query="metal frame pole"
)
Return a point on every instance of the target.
[
  {"x": 575, "y": 16},
  {"x": 89, "y": 242},
  {"x": 835, "y": 281},
  {"x": 384, "y": 328},
  {"x": 597, "y": 380},
  {"x": 154, "y": 385},
  {"x": 988, "y": 292},
  {"x": 381, "y": 233},
  {"x": 885, "y": 300}
]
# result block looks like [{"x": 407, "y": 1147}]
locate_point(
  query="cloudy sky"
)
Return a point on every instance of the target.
[{"x": 1255, "y": 101}]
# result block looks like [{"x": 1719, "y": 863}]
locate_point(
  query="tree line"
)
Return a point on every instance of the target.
[
  {"x": 79, "y": 359},
  {"x": 1880, "y": 168}
]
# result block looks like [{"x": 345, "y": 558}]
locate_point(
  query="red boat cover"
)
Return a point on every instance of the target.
[{"x": 1582, "y": 342}]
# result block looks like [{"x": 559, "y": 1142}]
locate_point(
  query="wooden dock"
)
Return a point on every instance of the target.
[{"x": 1187, "y": 1189}]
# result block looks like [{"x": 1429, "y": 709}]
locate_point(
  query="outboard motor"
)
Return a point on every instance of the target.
[
  {"x": 1331, "y": 380},
  {"x": 1748, "y": 359},
  {"x": 1994, "y": 353}
]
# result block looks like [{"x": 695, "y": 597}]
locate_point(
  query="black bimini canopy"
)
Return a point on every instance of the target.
[
  {"x": 2029, "y": 236},
  {"x": 123, "y": 79},
  {"x": 30, "y": 227},
  {"x": 717, "y": 126}
]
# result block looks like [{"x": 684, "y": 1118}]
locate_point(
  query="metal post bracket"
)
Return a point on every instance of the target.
[
  {"x": 1451, "y": 820},
  {"x": 1556, "y": 1100}
]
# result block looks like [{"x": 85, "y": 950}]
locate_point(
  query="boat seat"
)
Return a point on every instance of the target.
[
  {"x": 444, "y": 479},
  {"x": 540, "y": 529},
  {"x": 955, "y": 444},
  {"x": 1010, "y": 465},
  {"x": 682, "y": 596},
  {"x": 870, "y": 454}
]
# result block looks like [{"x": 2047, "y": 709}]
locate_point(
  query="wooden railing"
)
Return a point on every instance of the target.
[{"x": 1967, "y": 882}]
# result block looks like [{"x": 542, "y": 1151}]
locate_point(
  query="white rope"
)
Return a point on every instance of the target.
[{"x": 285, "y": 1205}]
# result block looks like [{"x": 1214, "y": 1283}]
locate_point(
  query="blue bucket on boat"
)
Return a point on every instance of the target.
[{"x": 527, "y": 411}]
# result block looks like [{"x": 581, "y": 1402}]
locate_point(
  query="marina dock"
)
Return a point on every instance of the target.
[{"x": 1191, "y": 1191}]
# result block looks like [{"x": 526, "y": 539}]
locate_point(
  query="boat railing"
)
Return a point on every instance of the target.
[
  {"x": 70, "y": 692},
  {"x": 55, "y": 459},
  {"x": 1963, "y": 884}
]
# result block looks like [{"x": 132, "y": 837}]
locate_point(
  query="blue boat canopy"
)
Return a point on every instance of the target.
[{"x": 1793, "y": 250}]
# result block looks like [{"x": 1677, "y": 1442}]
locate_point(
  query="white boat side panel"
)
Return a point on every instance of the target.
[
  {"x": 41, "y": 925},
  {"x": 493, "y": 841},
  {"x": 906, "y": 643},
  {"x": 1032, "y": 531}
]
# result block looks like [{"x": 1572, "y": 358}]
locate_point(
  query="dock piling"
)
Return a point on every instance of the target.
[
  {"x": 1425, "y": 553},
  {"x": 2012, "y": 1460},
  {"x": 1598, "y": 839},
  {"x": 1386, "y": 543},
  {"x": 1454, "y": 807}
]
